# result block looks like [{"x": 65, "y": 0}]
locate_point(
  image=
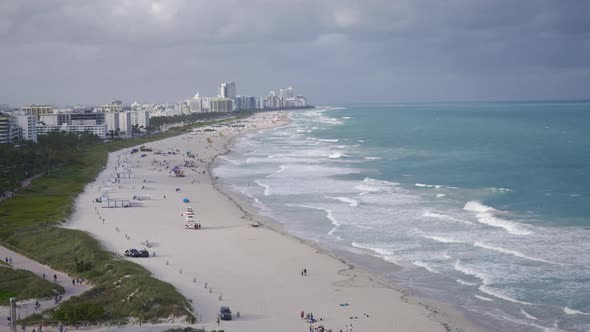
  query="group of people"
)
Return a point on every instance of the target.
[
  {"x": 8, "y": 259},
  {"x": 304, "y": 272}
]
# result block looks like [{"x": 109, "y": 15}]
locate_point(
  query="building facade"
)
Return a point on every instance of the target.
[
  {"x": 220, "y": 104},
  {"x": 8, "y": 129},
  {"x": 27, "y": 127},
  {"x": 227, "y": 90},
  {"x": 38, "y": 110}
]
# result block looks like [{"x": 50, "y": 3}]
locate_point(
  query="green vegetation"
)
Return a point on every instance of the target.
[
  {"x": 19, "y": 162},
  {"x": 24, "y": 285},
  {"x": 28, "y": 224}
]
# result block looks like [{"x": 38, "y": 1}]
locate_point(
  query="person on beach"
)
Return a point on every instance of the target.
[
  {"x": 55, "y": 277},
  {"x": 73, "y": 282},
  {"x": 302, "y": 314},
  {"x": 304, "y": 271}
]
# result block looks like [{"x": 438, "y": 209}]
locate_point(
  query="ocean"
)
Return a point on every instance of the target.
[{"x": 485, "y": 206}]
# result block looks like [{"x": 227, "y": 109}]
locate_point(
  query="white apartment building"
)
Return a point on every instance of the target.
[
  {"x": 111, "y": 120},
  {"x": 98, "y": 130},
  {"x": 141, "y": 119},
  {"x": 27, "y": 126},
  {"x": 125, "y": 123},
  {"x": 220, "y": 104},
  {"x": 227, "y": 90}
]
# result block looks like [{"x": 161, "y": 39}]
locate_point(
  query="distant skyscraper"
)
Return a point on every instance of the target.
[
  {"x": 287, "y": 93},
  {"x": 227, "y": 90}
]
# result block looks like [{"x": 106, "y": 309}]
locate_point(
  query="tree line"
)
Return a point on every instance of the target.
[{"x": 53, "y": 151}]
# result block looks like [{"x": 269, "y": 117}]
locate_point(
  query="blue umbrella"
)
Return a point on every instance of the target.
[{"x": 185, "y": 200}]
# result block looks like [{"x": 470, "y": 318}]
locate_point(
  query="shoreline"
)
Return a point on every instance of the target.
[
  {"x": 245, "y": 258},
  {"x": 253, "y": 215}
]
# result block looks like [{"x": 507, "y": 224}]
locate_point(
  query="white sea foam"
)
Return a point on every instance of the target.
[
  {"x": 373, "y": 158},
  {"x": 465, "y": 270},
  {"x": 446, "y": 217},
  {"x": 282, "y": 168},
  {"x": 329, "y": 214},
  {"x": 527, "y": 315},
  {"x": 346, "y": 117},
  {"x": 380, "y": 251},
  {"x": 571, "y": 311},
  {"x": 466, "y": 283},
  {"x": 484, "y": 298},
  {"x": 336, "y": 155},
  {"x": 441, "y": 239},
  {"x": 349, "y": 201},
  {"x": 265, "y": 186},
  {"x": 425, "y": 266},
  {"x": 328, "y": 140},
  {"x": 361, "y": 141},
  {"x": 440, "y": 195},
  {"x": 235, "y": 162},
  {"x": 486, "y": 215},
  {"x": 495, "y": 293},
  {"x": 510, "y": 252}
]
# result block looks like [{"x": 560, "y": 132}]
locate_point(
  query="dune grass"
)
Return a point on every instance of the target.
[{"x": 23, "y": 285}]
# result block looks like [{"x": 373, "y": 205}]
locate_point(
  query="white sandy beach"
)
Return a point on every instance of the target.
[{"x": 254, "y": 271}]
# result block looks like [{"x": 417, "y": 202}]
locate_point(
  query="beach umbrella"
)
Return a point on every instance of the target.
[{"x": 186, "y": 200}]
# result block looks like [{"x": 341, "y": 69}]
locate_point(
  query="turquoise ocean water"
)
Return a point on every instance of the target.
[{"x": 484, "y": 205}]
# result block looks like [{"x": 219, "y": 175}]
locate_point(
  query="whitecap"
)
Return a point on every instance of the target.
[
  {"x": 346, "y": 117},
  {"x": 484, "y": 298},
  {"x": 329, "y": 214},
  {"x": 485, "y": 215},
  {"x": 440, "y": 195},
  {"x": 336, "y": 155},
  {"x": 511, "y": 252},
  {"x": 571, "y": 311},
  {"x": 265, "y": 186},
  {"x": 446, "y": 217},
  {"x": 441, "y": 239},
  {"x": 466, "y": 283},
  {"x": 425, "y": 266},
  {"x": 527, "y": 315},
  {"x": 373, "y": 158},
  {"x": 495, "y": 293},
  {"x": 380, "y": 251},
  {"x": 349, "y": 201}
]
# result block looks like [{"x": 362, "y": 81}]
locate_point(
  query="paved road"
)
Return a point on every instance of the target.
[{"x": 27, "y": 307}]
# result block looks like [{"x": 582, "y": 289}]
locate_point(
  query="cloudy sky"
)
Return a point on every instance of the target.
[{"x": 333, "y": 51}]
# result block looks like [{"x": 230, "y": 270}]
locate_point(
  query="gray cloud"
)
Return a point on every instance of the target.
[{"x": 75, "y": 51}]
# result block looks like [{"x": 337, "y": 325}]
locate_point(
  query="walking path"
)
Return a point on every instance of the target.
[{"x": 27, "y": 307}]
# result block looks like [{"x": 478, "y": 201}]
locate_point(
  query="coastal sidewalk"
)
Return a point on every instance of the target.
[{"x": 27, "y": 307}]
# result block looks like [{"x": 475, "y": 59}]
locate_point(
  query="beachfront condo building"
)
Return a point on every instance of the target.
[
  {"x": 27, "y": 126},
  {"x": 8, "y": 129},
  {"x": 227, "y": 90},
  {"x": 221, "y": 104}
]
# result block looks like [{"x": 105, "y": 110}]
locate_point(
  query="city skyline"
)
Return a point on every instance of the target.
[{"x": 335, "y": 52}]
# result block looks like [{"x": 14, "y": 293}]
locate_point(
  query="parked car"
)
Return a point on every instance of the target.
[
  {"x": 137, "y": 253},
  {"x": 225, "y": 313}
]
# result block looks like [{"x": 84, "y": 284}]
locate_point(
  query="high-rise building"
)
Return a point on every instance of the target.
[
  {"x": 8, "y": 129},
  {"x": 116, "y": 105},
  {"x": 141, "y": 119},
  {"x": 287, "y": 93},
  {"x": 27, "y": 126},
  {"x": 111, "y": 120},
  {"x": 38, "y": 110},
  {"x": 245, "y": 103},
  {"x": 220, "y": 104},
  {"x": 227, "y": 90},
  {"x": 125, "y": 123}
]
